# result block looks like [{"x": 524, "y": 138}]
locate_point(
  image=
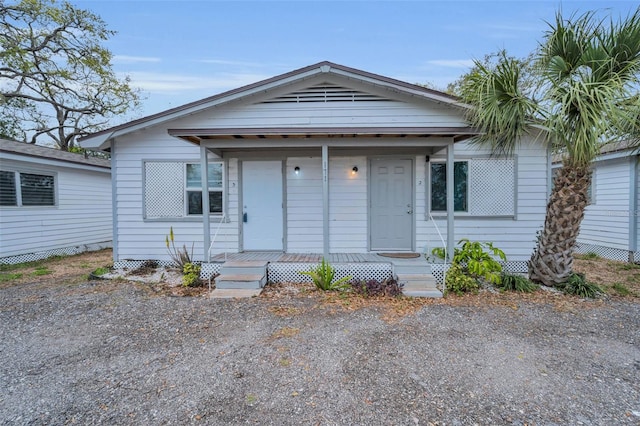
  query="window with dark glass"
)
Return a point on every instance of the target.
[
  {"x": 193, "y": 188},
  {"x": 8, "y": 189},
  {"x": 26, "y": 189},
  {"x": 439, "y": 186}
]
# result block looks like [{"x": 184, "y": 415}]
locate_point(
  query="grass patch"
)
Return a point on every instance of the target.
[
  {"x": 621, "y": 289},
  {"x": 100, "y": 271},
  {"x": 8, "y": 277},
  {"x": 41, "y": 270},
  {"x": 590, "y": 256}
]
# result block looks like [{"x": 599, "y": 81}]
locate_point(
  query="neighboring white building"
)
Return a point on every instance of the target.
[
  {"x": 324, "y": 159},
  {"x": 52, "y": 202},
  {"x": 610, "y": 224}
]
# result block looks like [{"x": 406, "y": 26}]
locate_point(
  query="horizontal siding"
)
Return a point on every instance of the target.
[
  {"x": 606, "y": 221},
  {"x": 82, "y": 215},
  {"x": 140, "y": 239},
  {"x": 304, "y": 205},
  {"x": 348, "y": 225},
  {"x": 515, "y": 236}
]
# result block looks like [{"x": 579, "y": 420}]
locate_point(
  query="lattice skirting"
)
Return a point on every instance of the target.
[
  {"x": 606, "y": 252},
  {"x": 207, "y": 269},
  {"x": 66, "y": 251},
  {"x": 290, "y": 272},
  {"x": 438, "y": 270}
]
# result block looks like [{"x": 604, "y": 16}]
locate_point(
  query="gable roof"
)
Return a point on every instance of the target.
[
  {"x": 32, "y": 150},
  {"x": 100, "y": 139}
]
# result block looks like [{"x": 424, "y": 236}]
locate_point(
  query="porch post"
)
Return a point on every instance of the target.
[
  {"x": 206, "y": 227},
  {"x": 450, "y": 201},
  {"x": 325, "y": 201}
]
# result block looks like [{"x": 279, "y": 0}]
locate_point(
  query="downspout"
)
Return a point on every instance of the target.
[
  {"x": 206, "y": 227},
  {"x": 325, "y": 201},
  {"x": 450, "y": 201},
  {"x": 114, "y": 196},
  {"x": 633, "y": 207}
]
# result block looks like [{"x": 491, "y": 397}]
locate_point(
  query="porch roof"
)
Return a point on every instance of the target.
[{"x": 220, "y": 135}]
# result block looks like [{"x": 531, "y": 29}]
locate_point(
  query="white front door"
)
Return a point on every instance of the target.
[
  {"x": 262, "y": 218},
  {"x": 391, "y": 208}
]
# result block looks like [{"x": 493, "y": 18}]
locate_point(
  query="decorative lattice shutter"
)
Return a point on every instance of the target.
[
  {"x": 164, "y": 189},
  {"x": 492, "y": 186}
]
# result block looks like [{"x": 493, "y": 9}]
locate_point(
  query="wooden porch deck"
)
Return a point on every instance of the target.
[{"x": 312, "y": 257}]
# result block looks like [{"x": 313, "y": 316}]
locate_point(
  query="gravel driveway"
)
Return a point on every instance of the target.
[{"x": 113, "y": 353}]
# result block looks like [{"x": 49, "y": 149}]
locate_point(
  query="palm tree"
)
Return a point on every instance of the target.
[{"x": 587, "y": 74}]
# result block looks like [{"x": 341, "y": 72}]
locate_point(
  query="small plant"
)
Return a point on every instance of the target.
[
  {"x": 41, "y": 270},
  {"x": 590, "y": 256},
  {"x": 372, "y": 288},
  {"x": 323, "y": 275},
  {"x": 476, "y": 260},
  {"x": 579, "y": 286},
  {"x": 191, "y": 275},
  {"x": 512, "y": 282},
  {"x": 100, "y": 271},
  {"x": 459, "y": 282},
  {"x": 180, "y": 256},
  {"x": 7, "y": 277},
  {"x": 621, "y": 289}
]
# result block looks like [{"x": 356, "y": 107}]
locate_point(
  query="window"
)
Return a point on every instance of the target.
[
  {"x": 439, "y": 186},
  {"x": 26, "y": 189},
  {"x": 193, "y": 188}
]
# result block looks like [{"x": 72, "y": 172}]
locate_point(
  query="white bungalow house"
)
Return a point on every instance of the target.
[
  {"x": 52, "y": 202},
  {"x": 610, "y": 225},
  {"x": 325, "y": 159}
]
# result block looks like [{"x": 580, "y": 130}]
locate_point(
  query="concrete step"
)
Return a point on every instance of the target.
[
  {"x": 241, "y": 281},
  {"x": 250, "y": 267},
  {"x": 419, "y": 285},
  {"x": 234, "y": 293},
  {"x": 414, "y": 268}
]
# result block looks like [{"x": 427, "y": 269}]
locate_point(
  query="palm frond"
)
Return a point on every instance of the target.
[{"x": 502, "y": 112}]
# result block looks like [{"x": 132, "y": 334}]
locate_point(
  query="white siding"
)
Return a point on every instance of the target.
[
  {"x": 304, "y": 205},
  {"x": 82, "y": 215},
  {"x": 348, "y": 226},
  {"x": 606, "y": 221},
  {"x": 397, "y": 110},
  {"x": 141, "y": 239},
  {"x": 515, "y": 236}
]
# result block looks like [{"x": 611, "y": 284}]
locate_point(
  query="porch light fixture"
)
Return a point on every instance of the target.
[
  {"x": 297, "y": 170},
  {"x": 354, "y": 170}
]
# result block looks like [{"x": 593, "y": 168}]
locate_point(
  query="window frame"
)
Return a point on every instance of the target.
[
  {"x": 221, "y": 189},
  {"x": 430, "y": 187},
  {"x": 17, "y": 182}
]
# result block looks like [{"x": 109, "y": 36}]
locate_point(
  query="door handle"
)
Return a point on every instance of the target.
[
  {"x": 409, "y": 211},
  {"x": 244, "y": 217}
]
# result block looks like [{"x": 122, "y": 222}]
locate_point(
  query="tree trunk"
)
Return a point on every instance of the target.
[{"x": 552, "y": 261}]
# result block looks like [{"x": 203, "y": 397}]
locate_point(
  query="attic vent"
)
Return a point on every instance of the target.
[{"x": 326, "y": 93}]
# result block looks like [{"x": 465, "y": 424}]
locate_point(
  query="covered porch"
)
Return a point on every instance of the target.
[{"x": 326, "y": 144}]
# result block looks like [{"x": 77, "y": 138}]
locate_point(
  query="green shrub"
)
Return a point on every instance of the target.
[
  {"x": 191, "y": 275},
  {"x": 475, "y": 261},
  {"x": 512, "y": 282},
  {"x": 458, "y": 281},
  {"x": 578, "y": 285},
  {"x": 323, "y": 275}
]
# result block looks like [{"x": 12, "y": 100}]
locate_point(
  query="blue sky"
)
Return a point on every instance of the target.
[{"x": 180, "y": 51}]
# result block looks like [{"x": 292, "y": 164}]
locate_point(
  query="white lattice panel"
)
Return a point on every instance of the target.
[
  {"x": 492, "y": 190},
  {"x": 67, "y": 251},
  {"x": 290, "y": 272},
  {"x": 438, "y": 270},
  {"x": 164, "y": 189},
  {"x": 605, "y": 252}
]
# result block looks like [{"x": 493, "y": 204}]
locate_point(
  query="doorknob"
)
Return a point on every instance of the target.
[{"x": 409, "y": 211}]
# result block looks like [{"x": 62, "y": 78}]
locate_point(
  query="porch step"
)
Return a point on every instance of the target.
[
  {"x": 249, "y": 274},
  {"x": 418, "y": 266},
  {"x": 246, "y": 281},
  {"x": 419, "y": 285},
  {"x": 244, "y": 267}
]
